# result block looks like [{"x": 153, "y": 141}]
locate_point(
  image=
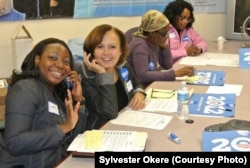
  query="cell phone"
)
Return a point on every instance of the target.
[
  {"x": 91, "y": 58},
  {"x": 69, "y": 84}
]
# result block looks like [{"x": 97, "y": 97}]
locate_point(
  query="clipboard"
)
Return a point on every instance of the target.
[{"x": 86, "y": 144}]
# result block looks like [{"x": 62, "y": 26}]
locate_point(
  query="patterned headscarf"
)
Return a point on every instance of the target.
[{"x": 151, "y": 21}]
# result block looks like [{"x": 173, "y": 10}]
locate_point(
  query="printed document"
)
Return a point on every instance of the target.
[
  {"x": 142, "y": 119},
  {"x": 207, "y": 58},
  {"x": 109, "y": 140},
  {"x": 161, "y": 100},
  {"x": 227, "y": 88}
]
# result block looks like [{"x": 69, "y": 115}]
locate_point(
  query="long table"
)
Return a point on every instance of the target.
[{"x": 191, "y": 134}]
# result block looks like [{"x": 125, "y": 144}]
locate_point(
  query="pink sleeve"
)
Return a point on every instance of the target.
[
  {"x": 197, "y": 40},
  {"x": 188, "y": 38}
]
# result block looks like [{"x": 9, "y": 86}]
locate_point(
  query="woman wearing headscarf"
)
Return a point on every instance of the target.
[{"x": 150, "y": 55}]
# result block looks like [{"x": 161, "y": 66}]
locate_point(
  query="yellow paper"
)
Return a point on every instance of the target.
[
  {"x": 193, "y": 79},
  {"x": 93, "y": 139}
]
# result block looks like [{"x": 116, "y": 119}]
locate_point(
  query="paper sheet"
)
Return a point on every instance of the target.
[
  {"x": 223, "y": 59},
  {"x": 193, "y": 61},
  {"x": 160, "y": 100},
  {"x": 207, "y": 58},
  {"x": 161, "y": 105},
  {"x": 142, "y": 119},
  {"x": 227, "y": 88},
  {"x": 109, "y": 140}
]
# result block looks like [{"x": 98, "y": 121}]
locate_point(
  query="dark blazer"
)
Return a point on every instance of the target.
[
  {"x": 32, "y": 136},
  {"x": 100, "y": 94}
]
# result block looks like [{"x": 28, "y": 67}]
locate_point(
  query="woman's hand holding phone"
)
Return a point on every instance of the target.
[
  {"x": 76, "y": 89},
  {"x": 92, "y": 64}
]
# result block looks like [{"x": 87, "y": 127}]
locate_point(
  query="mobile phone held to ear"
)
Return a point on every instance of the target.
[
  {"x": 91, "y": 58},
  {"x": 69, "y": 84}
]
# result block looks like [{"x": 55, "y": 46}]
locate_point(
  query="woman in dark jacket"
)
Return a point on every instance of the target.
[
  {"x": 40, "y": 118},
  {"x": 109, "y": 82}
]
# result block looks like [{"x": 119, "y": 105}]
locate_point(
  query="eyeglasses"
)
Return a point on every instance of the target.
[
  {"x": 186, "y": 18},
  {"x": 163, "y": 35},
  {"x": 162, "y": 94}
]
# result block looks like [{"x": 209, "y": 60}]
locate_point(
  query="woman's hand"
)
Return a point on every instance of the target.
[
  {"x": 92, "y": 65},
  {"x": 71, "y": 114},
  {"x": 138, "y": 101},
  {"x": 193, "y": 51},
  {"x": 77, "y": 87},
  {"x": 185, "y": 71},
  {"x": 164, "y": 45}
]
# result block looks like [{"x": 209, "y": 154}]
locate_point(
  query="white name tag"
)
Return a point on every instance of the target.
[
  {"x": 129, "y": 85},
  {"x": 53, "y": 108},
  {"x": 172, "y": 35}
]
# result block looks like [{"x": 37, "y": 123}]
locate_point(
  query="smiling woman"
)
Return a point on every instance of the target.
[
  {"x": 40, "y": 118},
  {"x": 108, "y": 80}
]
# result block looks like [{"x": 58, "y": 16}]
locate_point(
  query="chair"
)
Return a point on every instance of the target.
[
  {"x": 129, "y": 33},
  {"x": 75, "y": 45},
  {"x": 2, "y": 124},
  {"x": 77, "y": 65}
]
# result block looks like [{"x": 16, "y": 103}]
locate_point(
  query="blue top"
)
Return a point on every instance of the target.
[{"x": 13, "y": 15}]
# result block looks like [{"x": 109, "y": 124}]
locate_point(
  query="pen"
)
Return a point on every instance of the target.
[
  {"x": 174, "y": 137},
  {"x": 191, "y": 92}
]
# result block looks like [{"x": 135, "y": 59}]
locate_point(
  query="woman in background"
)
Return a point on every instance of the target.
[
  {"x": 40, "y": 118},
  {"x": 150, "y": 55},
  {"x": 109, "y": 82},
  {"x": 184, "y": 40}
]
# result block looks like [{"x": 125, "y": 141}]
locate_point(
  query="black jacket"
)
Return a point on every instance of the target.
[
  {"x": 32, "y": 136},
  {"x": 100, "y": 94}
]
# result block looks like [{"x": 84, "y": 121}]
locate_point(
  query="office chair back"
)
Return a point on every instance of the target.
[{"x": 129, "y": 33}]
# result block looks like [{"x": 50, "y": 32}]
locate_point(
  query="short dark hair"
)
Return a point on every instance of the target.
[
  {"x": 174, "y": 9},
  {"x": 95, "y": 37}
]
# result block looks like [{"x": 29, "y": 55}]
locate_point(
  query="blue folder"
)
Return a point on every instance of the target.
[
  {"x": 214, "y": 105},
  {"x": 207, "y": 78}
]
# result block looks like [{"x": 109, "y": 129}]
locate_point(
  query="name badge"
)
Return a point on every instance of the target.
[
  {"x": 151, "y": 66},
  {"x": 171, "y": 35},
  {"x": 185, "y": 38},
  {"x": 129, "y": 85},
  {"x": 53, "y": 108},
  {"x": 124, "y": 73}
]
